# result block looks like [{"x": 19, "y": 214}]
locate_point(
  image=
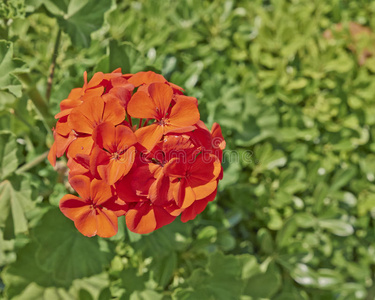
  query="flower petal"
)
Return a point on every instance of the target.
[
  {"x": 205, "y": 190},
  {"x": 100, "y": 192},
  {"x": 73, "y": 207},
  {"x": 85, "y": 117},
  {"x": 81, "y": 184},
  {"x": 184, "y": 113},
  {"x": 142, "y": 106},
  {"x": 150, "y": 135},
  {"x": 141, "y": 219},
  {"x": 161, "y": 93},
  {"x": 87, "y": 223},
  {"x": 196, "y": 208},
  {"x": 106, "y": 223},
  {"x": 146, "y": 78},
  {"x": 125, "y": 137},
  {"x": 113, "y": 112},
  {"x": 104, "y": 136}
]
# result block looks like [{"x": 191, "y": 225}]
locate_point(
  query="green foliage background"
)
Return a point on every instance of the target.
[{"x": 294, "y": 216}]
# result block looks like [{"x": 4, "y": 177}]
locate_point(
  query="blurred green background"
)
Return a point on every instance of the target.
[{"x": 294, "y": 216}]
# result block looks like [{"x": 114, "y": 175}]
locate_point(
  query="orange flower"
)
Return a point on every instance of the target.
[
  {"x": 149, "y": 173},
  {"x": 114, "y": 153},
  {"x": 96, "y": 212},
  {"x": 156, "y": 105}
]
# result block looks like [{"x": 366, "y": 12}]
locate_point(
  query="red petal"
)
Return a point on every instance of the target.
[
  {"x": 104, "y": 136},
  {"x": 124, "y": 189},
  {"x": 175, "y": 168},
  {"x": 206, "y": 168},
  {"x": 196, "y": 208}
]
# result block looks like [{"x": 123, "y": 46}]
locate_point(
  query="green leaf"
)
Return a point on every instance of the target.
[
  {"x": 15, "y": 202},
  {"x": 25, "y": 272},
  {"x": 220, "y": 280},
  {"x": 10, "y": 87},
  {"x": 342, "y": 177},
  {"x": 145, "y": 295},
  {"x": 126, "y": 57},
  {"x": 63, "y": 251},
  {"x": 337, "y": 227},
  {"x": 8, "y": 154},
  {"x": 263, "y": 285},
  {"x": 163, "y": 268},
  {"x": 81, "y": 20}
]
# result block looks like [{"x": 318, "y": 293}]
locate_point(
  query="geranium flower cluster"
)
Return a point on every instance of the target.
[{"x": 136, "y": 147}]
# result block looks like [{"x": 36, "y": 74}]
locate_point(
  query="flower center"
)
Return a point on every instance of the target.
[{"x": 115, "y": 156}]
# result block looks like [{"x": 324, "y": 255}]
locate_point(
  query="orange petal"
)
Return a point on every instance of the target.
[
  {"x": 146, "y": 78},
  {"x": 182, "y": 97},
  {"x": 183, "y": 194},
  {"x": 63, "y": 142},
  {"x": 141, "y": 219},
  {"x": 125, "y": 137},
  {"x": 62, "y": 126},
  {"x": 95, "y": 80},
  {"x": 106, "y": 223},
  {"x": 205, "y": 190},
  {"x": 81, "y": 184},
  {"x": 81, "y": 145},
  {"x": 73, "y": 207},
  {"x": 85, "y": 117},
  {"x": 66, "y": 107},
  {"x": 113, "y": 112},
  {"x": 142, "y": 106},
  {"x": 52, "y": 154},
  {"x": 87, "y": 223},
  {"x": 150, "y": 135},
  {"x": 100, "y": 192},
  {"x": 161, "y": 93},
  {"x": 104, "y": 136},
  {"x": 184, "y": 113}
]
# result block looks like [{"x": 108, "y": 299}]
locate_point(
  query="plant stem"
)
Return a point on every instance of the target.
[
  {"x": 36, "y": 161},
  {"x": 53, "y": 64},
  {"x": 38, "y": 100},
  {"x": 129, "y": 119}
]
